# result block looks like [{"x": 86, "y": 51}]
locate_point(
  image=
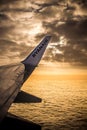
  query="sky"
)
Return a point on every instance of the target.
[{"x": 23, "y": 23}]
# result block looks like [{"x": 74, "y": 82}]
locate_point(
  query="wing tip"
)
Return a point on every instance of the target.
[{"x": 35, "y": 56}]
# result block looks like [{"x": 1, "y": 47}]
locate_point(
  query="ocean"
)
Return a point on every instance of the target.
[{"x": 55, "y": 103}]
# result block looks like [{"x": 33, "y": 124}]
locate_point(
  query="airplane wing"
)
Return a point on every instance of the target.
[{"x": 12, "y": 77}]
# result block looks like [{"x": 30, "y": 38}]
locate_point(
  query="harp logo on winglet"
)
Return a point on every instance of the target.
[{"x": 39, "y": 48}]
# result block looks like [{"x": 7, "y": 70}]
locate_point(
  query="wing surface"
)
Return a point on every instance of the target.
[{"x": 13, "y": 76}]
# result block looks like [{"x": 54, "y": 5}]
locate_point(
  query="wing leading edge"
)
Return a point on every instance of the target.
[{"x": 13, "y": 76}]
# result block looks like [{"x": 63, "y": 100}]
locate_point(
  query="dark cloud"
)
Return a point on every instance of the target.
[
  {"x": 70, "y": 54},
  {"x": 80, "y": 2},
  {"x": 73, "y": 29},
  {"x": 46, "y": 5},
  {"x": 17, "y": 9},
  {"x": 73, "y": 55},
  {"x": 75, "y": 32},
  {"x": 3, "y": 16},
  {"x": 4, "y": 31},
  {"x": 59, "y": 18},
  {"x": 7, "y": 1},
  {"x": 7, "y": 46}
]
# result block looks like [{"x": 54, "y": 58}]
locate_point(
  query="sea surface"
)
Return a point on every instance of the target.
[{"x": 55, "y": 103}]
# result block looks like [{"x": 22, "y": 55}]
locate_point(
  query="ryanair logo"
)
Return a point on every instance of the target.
[{"x": 39, "y": 48}]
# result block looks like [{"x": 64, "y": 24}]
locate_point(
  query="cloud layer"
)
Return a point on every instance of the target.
[{"x": 24, "y": 23}]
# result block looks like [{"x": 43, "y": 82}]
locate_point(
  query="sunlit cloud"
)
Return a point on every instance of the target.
[
  {"x": 24, "y": 23},
  {"x": 62, "y": 41},
  {"x": 37, "y": 28}
]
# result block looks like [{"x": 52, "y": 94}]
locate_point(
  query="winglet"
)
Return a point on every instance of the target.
[{"x": 36, "y": 55}]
